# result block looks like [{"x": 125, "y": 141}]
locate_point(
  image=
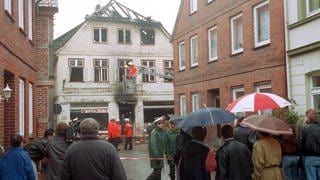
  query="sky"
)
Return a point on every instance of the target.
[{"x": 72, "y": 12}]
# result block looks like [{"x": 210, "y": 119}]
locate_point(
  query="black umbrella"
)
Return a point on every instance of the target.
[{"x": 207, "y": 116}]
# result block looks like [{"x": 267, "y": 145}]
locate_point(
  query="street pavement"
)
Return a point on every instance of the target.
[{"x": 137, "y": 164}]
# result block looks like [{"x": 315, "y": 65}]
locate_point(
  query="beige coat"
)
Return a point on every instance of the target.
[{"x": 266, "y": 158}]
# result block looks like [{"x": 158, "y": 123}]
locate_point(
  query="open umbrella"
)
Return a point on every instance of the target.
[
  {"x": 257, "y": 101},
  {"x": 267, "y": 123},
  {"x": 206, "y": 117}
]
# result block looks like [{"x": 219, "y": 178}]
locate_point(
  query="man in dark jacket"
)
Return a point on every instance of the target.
[
  {"x": 233, "y": 158},
  {"x": 91, "y": 157},
  {"x": 56, "y": 149},
  {"x": 244, "y": 134},
  {"x": 193, "y": 157},
  {"x": 37, "y": 148}
]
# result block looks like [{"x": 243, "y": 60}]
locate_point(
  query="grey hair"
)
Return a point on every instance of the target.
[{"x": 89, "y": 126}]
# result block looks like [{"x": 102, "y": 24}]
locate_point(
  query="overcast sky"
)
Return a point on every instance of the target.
[{"x": 72, "y": 12}]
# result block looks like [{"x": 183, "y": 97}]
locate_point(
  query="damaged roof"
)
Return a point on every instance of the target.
[{"x": 112, "y": 12}]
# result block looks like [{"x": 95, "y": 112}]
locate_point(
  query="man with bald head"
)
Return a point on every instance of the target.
[{"x": 92, "y": 157}]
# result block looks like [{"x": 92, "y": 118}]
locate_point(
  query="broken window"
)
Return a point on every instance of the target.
[
  {"x": 148, "y": 69},
  {"x": 101, "y": 70},
  {"x": 99, "y": 35},
  {"x": 76, "y": 70},
  {"x": 124, "y": 36},
  {"x": 147, "y": 36},
  {"x": 168, "y": 70}
]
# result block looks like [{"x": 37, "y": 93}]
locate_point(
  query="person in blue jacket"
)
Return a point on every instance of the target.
[{"x": 16, "y": 163}]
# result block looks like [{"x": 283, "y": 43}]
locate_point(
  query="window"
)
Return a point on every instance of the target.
[
  {"x": 236, "y": 34},
  {"x": 195, "y": 102},
  {"x": 101, "y": 70},
  {"x": 76, "y": 70},
  {"x": 313, "y": 6},
  {"x": 21, "y": 14},
  {"x": 168, "y": 70},
  {"x": 21, "y": 107},
  {"x": 147, "y": 36},
  {"x": 265, "y": 88},
  {"x": 315, "y": 92},
  {"x": 194, "y": 51},
  {"x": 261, "y": 24},
  {"x": 99, "y": 35},
  {"x": 183, "y": 105},
  {"x": 30, "y": 18},
  {"x": 213, "y": 44},
  {"x": 193, "y": 6},
  {"x": 150, "y": 67},
  {"x": 182, "y": 56},
  {"x": 30, "y": 109},
  {"x": 8, "y": 5},
  {"x": 236, "y": 93},
  {"x": 210, "y": 1},
  {"x": 124, "y": 36},
  {"x": 122, "y": 64}
]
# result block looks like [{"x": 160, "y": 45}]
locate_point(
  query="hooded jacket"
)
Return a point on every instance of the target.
[{"x": 192, "y": 164}]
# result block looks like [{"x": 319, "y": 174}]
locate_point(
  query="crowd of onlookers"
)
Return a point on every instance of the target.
[
  {"x": 88, "y": 157},
  {"x": 244, "y": 153}
]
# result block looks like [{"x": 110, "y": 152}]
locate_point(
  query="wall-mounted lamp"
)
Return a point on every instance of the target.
[{"x": 6, "y": 93}]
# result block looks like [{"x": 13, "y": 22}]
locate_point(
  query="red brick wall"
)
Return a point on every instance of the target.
[
  {"x": 254, "y": 65},
  {"x": 44, "y": 37}
]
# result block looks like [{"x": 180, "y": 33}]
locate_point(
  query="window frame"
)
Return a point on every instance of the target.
[
  {"x": 102, "y": 70},
  {"x": 210, "y": 46},
  {"x": 8, "y": 6},
  {"x": 232, "y": 20},
  {"x": 193, "y": 6},
  {"x": 100, "y": 29},
  {"x": 310, "y": 13},
  {"x": 76, "y": 65},
  {"x": 168, "y": 69},
  {"x": 30, "y": 109},
  {"x": 21, "y": 106},
  {"x": 182, "y": 56},
  {"x": 121, "y": 70},
  {"x": 124, "y": 36},
  {"x": 314, "y": 90},
  {"x": 21, "y": 13},
  {"x": 195, "y": 105},
  {"x": 236, "y": 90},
  {"x": 147, "y": 78},
  {"x": 257, "y": 42},
  {"x": 194, "y": 56},
  {"x": 183, "y": 105},
  {"x": 259, "y": 89},
  {"x": 30, "y": 19}
]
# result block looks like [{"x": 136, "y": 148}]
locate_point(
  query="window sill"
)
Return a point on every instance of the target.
[
  {"x": 194, "y": 66},
  {"x": 234, "y": 53},
  {"x": 213, "y": 60},
  {"x": 10, "y": 16},
  {"x": 22, "y": 31},
  {"x": 261, "y": 45}
]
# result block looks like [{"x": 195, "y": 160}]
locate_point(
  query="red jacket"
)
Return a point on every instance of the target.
[
  {"x": 112, "y": 129},
  {"x": 117, "y": 131},
  {"x": 128, "y": 130}
]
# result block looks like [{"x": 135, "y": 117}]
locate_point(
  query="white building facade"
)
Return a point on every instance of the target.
[
  {"x": 303, "y": 53},
  {"x": 92, "y": 68}
]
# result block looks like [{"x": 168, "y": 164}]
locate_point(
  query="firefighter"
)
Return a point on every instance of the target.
[{"x": 132, "y": 70}]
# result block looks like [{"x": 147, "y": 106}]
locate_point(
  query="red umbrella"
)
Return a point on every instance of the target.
[
  {"x": 267, "y": 123},
  {"x": 257, "y": 101}
]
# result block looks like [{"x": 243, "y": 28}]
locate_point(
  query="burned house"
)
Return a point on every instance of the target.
[{"x": 115, "y": 64}]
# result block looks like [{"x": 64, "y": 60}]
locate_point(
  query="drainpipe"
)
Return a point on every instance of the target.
[{"x": 287, "y": 46}]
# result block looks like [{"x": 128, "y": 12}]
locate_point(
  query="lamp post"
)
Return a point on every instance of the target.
[{"x": 6, "y": 93}]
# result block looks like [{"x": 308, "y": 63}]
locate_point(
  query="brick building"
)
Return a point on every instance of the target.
[
  {"x": 225, "y": 49},
  {"x": 25, "y": 30}
]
